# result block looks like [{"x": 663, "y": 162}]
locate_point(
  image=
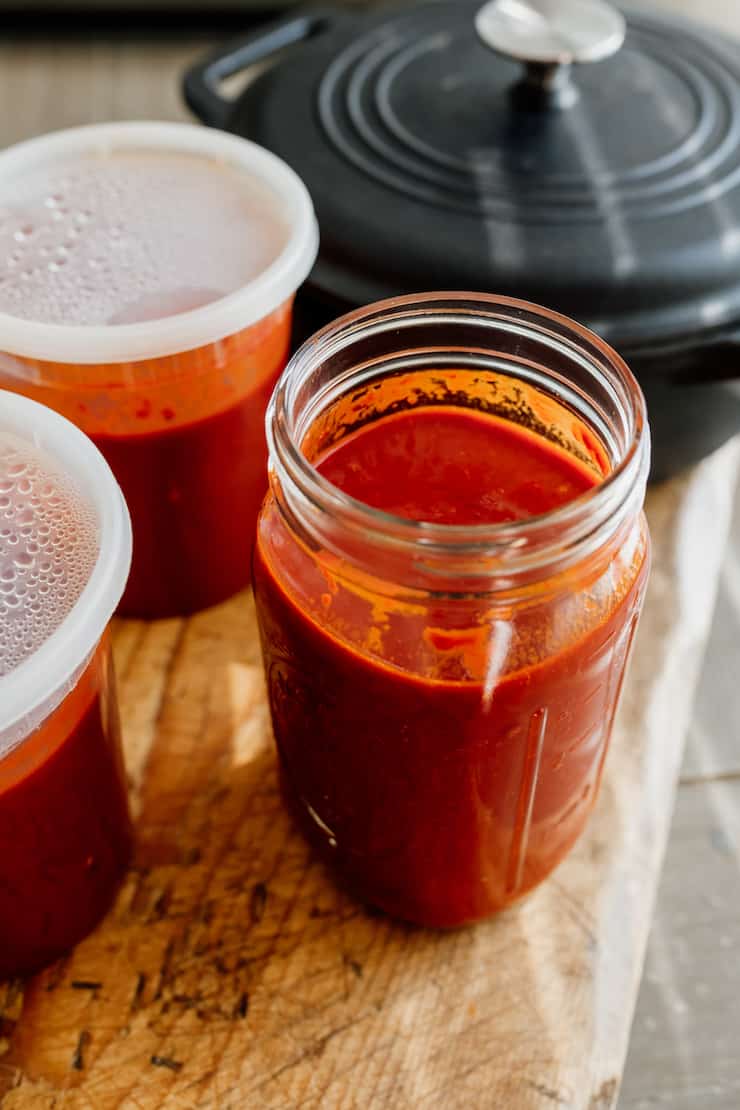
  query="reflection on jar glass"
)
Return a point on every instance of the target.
[{"x": 449, "y": 570}]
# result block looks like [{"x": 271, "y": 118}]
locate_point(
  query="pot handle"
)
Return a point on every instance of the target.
[
  {"x": 708, "y": 360},
  {"x": 201, "y": 82}
]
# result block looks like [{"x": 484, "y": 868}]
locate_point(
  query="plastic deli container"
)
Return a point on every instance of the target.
[
  {"x": 449, "y": 570},
  {"x": 65, "y": 552},
  {"x": 172, "y": 387}
]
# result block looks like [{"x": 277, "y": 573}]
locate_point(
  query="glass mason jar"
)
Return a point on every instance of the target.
[{"x": 442, "y": 695}]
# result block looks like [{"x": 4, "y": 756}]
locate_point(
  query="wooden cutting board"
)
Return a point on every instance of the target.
[{"x": 232, "y": 973}]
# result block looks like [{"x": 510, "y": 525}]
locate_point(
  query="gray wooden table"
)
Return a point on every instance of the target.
[
  {"x": 685, "y": 1045},
  {"x": 686, "y": 1034}
]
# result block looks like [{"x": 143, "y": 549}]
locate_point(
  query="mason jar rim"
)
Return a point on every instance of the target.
[{"x": 520, "y": 544}]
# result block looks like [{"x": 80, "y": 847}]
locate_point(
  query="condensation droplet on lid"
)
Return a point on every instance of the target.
[
  {"x": 37, "y": 592},
  {"x": 122, "y": 208}
]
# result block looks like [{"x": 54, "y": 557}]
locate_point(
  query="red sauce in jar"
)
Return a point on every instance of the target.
[
  {"x": 64, "y": 826},
  {"x": 445, "y": 791}
]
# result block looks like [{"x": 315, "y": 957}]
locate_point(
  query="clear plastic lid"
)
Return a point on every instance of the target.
[
  {"x": 65, "y": 553},
  {"x": 129, "y": 241}
]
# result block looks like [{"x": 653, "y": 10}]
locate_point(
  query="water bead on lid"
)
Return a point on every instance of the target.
[
  {"x": 49, "y": 543},
  {"x": 129, "y": 236}
]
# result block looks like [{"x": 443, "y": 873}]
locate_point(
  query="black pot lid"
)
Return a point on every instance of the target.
[{"x": 610, "y": 190}]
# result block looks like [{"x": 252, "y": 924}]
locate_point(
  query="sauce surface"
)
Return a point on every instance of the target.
[
  {"x": 443, "y": 757},
  {"x": 451, "y": 465}
]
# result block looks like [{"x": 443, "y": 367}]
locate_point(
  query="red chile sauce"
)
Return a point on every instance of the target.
[
  {"x": 194, "y": 492},
  {"x": 64, "y": 826},
  {"x": 440, "y": 793}
]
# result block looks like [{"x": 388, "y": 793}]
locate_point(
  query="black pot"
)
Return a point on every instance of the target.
[{"x": 610, "y": 192}]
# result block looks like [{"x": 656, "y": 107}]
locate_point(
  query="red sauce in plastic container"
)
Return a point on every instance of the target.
[
  {"x": 444, "y": 644},
  {"x": 160, "y": 265},
  {"x": 192, "y": 548},
  {"x": 64, "y": 824},
  {"x": 194, "y": 485},
  {"x": 65, "y": 552},
  {"x": 454, "y": 466}
]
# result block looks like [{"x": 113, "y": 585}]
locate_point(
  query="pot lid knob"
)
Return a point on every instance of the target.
[{"x": 549, "y": 37}]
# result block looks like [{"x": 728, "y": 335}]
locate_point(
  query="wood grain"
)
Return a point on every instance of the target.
[{"x": 232, "y": 972}]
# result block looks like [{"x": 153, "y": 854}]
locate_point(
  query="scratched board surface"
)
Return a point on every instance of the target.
[{"x": 233, "y": 973}]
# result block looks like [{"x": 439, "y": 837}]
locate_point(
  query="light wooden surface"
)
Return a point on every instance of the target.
[{"x": 683, "y": 1050}]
